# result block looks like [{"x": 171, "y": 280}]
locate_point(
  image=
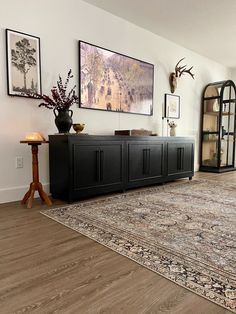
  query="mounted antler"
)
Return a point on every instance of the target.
[{"x": 179, "y": 70}]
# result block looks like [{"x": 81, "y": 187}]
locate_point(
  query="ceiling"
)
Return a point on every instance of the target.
[{"x": 207, "y": 27}]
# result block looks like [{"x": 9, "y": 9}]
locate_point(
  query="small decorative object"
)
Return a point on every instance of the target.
[
  {"x": 63, "y": 119},
  {"x": 172, "y": 106},
  {"x": 179, "y": 71},
  {"x": 35, "y": 136},
  {"x": 23, "y": 64},
  {"x": 225, "y": 109},
  {"x": 211, "y": 104},
  {"x": 78, "y": 127},
  {"x": 111, "y": 81},
  {"x": 206, "y": 135},
  {"x": 134, "y": 132},
  {"x": 172, "y": 126},
  {"x": 216, "y": 106},
  {"x": 60, "y": 102},
  {"x": 223, "y": 132}
]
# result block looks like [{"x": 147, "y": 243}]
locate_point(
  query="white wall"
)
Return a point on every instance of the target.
[
  {"x": 233, "y": 75},
  {"x": 60, "y": 24}
]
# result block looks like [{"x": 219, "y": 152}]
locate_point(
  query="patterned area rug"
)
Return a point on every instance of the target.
[{"x": 184, "y": 231}]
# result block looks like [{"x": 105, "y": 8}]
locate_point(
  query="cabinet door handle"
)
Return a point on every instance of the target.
[
  {"x": 180, "y": 161},
  {"x": 101, "y": 164},
  {"x": 97, "y": 165},
  {"x": 144, "y": 161},
  {"x": 149, "y": 162},
  {"x": 182, "y": 158}
]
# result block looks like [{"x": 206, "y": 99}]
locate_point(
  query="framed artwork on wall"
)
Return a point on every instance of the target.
[
  {"x": 111, "y": 81},
  {"x": 23, "y": 64},
  {"x": 172, "y": 106}
]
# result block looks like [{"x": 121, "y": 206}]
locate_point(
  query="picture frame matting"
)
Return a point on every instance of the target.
[{"x": 172, "y": 106}]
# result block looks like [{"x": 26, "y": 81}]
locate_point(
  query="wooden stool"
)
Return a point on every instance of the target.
[{"x": 35, "y": 185}]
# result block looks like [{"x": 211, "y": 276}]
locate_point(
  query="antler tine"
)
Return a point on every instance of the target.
[
  {"x": 188, "y": 71},
  {"x": 179, "y": 62},
  {"x": 179, "y": 69}
]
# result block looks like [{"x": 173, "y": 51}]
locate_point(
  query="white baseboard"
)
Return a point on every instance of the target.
[{"x": 16, "y": 193}]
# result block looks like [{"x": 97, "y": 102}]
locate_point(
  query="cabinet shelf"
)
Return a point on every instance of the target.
[
  {"x": 216, "y": 113},
  {"x": 216, "y": 140},
  {"x": 226, "y": 101},
  {"x": 210, "y": 141}
]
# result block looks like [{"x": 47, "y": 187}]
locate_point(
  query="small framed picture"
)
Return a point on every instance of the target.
[
  {"x": 172, "y": 106},
  {"x": 23, "y": 64}
]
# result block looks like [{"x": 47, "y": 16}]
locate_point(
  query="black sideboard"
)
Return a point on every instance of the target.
[{"x": 86, "y": 165}]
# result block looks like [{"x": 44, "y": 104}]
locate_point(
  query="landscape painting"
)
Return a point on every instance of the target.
[
  {"x": 114, "y": 82},
  {"x": 23, "y": 64}
]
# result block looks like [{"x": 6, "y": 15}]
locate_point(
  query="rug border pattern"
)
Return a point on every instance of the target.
[{"x": 199, "y": 291}]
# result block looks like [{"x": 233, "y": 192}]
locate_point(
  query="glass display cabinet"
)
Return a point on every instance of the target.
[{"x": 217, "y": 151}]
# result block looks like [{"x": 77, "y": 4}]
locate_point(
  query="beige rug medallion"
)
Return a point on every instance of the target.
[{"x": 184, "y": 231}]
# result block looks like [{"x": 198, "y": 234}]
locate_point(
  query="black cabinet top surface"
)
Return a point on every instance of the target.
[{"x": 74, "y": 136}]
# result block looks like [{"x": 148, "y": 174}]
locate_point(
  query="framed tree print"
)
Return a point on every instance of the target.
[
  {"x": 172, "y": 106},
  {"x": 23, "y": 64}
]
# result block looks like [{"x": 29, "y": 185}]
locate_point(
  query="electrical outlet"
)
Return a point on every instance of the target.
[{"x": 19, "y": 162}]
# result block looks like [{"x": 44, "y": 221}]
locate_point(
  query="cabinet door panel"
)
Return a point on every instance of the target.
[
  {"x": 86, "y": 166},
  {"x": 179, "y": 157},
  {"x": 136, "y": 161},
  {"x": 145, "y": 161},
  {"x": 97, "y": 165},
  {"x": 155, "y": 152},
  {"x": 111, "y": 164}
]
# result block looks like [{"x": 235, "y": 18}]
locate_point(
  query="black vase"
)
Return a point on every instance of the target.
[{"x": 63, "y": 119}]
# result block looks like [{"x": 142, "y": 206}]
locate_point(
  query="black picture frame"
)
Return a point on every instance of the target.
[
  {"x": 23, "y": 81},
  {"x": 118, "y": 96},
  {"x": 172, "y": 106}
]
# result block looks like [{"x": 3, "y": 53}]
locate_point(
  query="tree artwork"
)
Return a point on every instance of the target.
[
  {"x": 23, "y": 64},
  {"x": 22, "y": 57}
]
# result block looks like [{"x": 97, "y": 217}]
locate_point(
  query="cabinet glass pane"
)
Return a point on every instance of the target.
[
  {"x": 211, "y": 122},
  {"x": 211, "y": 105},
  {"x": 227, "y": 133},
  {"x": 227, "y": 152},
  {"x": 209, "y": 153}
]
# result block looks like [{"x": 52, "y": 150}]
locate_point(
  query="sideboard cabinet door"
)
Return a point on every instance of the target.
[
  {"x": 145, "y": 163},
  {"x": 97, "y": 167},
  {"x": 180, "y": 160}
]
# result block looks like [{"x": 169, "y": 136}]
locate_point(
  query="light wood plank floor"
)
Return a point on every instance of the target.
[{"x": 48, "y": 268}]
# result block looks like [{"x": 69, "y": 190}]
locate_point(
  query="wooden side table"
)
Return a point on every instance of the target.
[{"x": 35, "y": 185}]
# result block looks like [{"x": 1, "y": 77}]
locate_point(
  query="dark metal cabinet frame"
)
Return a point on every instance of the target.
[{"x": 218, "y": 127}]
